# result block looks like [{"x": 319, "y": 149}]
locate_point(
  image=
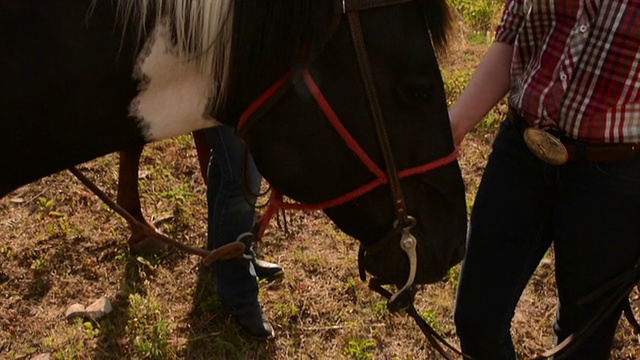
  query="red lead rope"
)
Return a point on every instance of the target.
[{"x": 276, "y": 200}]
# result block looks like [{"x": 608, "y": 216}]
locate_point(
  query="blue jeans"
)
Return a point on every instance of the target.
[
  {"x": 589, "y": 211},
  {"x": 231, "y": 213}
]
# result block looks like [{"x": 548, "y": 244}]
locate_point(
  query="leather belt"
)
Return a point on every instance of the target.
[{"x": 557, "y": 149}]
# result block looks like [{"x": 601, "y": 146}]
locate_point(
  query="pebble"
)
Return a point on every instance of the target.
[
  {"x": 74, "y": 311},
  {"x": 98, "y": 309},
  {"x": 95, "y": 311}
]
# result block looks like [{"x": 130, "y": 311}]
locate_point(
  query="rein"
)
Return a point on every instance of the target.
[
  {"x": 615, "y": 294},
  {"x": 229, "y": 251}
]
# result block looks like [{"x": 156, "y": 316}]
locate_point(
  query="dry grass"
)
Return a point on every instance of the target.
[{"x": 60, "y": 245}]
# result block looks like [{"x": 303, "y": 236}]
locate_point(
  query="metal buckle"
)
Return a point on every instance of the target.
[
  {"x": 408, "y": 244},
  {"x": 545, "y": 146}
]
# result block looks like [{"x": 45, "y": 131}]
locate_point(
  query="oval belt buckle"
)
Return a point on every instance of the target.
[{"x": 545, "y": 146}]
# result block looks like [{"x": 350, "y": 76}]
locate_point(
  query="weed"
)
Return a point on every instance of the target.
[
  {"x": 210, "y": 304},
  {"x": 453, "y": 275},
  {"x": 476, "y": 39},
  {"x": 359, "y": 349},
  {"x": 38, "y": 266},
  {"x": 380, "y": 308},
  {"x": 478, "y": 14},
  {"x": 352, "y": 287},
  {"x": 430, "y": 316},
  {"x": 5, "y": 250},
  {"x": 44, "y": 205},
  {"x": 284, "y": 312},
  {"x": 454, "y": 84},
  {"x": 180, "y": 195},
  {"x": 313, "y": 265},
  {"x": 148, "y": 328},
  {"x": 89, "y": 331},
  {"x": 122, "y": 256}
]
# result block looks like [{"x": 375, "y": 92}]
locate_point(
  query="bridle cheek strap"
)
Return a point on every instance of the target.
[
  {"x": 262, "y": 99},
  {"x": 277, "y": 201},
  {"x": 342, "y": 131}
]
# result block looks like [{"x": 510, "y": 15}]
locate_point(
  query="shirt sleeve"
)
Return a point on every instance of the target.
[{"x": 512, "y": 18}]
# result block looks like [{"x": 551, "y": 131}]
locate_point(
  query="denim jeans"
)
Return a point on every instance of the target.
[
  {"x": 588, "y": 211},
  {"x": 231, "y": 213}
]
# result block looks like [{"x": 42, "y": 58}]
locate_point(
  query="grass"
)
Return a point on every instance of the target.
[
  {"x": 60, "y": 245},
  {"x": 358, "y": 349}
]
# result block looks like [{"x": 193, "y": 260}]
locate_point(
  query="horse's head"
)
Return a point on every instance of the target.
[{"x": 306, "y": 157}]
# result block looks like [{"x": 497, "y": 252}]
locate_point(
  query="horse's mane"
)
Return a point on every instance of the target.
[
  {"x": 197, "y": 25},
  {"x": 439, "y": 20},
  {"x": 235, "y": 42},
  {"x": 210, "y": 31},
  {"x": 268, "y": 39},
  {"x": 271, "y": 35},
  {"x": 201, "y": 31}
]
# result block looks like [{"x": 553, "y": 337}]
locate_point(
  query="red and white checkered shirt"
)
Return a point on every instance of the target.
[{"x": 576, "y": 66}]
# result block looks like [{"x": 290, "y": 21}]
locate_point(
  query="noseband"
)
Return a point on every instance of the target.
[{"x": 391, "y": 176}]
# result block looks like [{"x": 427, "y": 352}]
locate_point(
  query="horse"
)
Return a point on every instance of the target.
[{"x": 340, "y": 102}]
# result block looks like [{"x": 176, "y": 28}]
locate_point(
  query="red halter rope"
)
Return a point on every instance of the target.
[{"x": 276, "y": 200}]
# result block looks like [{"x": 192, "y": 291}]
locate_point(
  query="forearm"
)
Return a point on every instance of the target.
[{"x": 489, "y": 84}]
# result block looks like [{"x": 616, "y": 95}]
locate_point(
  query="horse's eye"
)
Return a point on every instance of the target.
[
  {"x": 421, "y": 92},
  {"x": 421, "y": 95}
]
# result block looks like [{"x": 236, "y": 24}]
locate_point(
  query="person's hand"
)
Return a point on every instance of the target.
[{"x": 458, "y": 130}]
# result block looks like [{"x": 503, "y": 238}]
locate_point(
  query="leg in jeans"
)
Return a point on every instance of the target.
[
  {"x": 597, "y": 237},
  {"x": 231, "y": 213},
  {"x": 509, "y": 234}
]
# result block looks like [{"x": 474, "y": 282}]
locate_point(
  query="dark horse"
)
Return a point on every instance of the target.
[{"x": 331, "y": 97}]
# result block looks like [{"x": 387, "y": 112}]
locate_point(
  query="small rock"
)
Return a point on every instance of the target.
[
  {"x": 98, "y": 309},
  {"x": 74, "y": 311}
]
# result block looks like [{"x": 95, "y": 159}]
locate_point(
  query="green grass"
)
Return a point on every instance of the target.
[
  {"x": 479, "y": 15},
  {"x": 358, "y": 349}
]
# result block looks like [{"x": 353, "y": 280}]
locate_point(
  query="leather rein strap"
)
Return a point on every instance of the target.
[
  {"x": 614, "y": 295},
  {"x": 436, "y": 340},
  {"x": 378, "y": 119},
  {"x": 352, "y": 8}
]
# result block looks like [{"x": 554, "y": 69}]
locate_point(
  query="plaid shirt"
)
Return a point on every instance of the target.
[{"x": 576, "y": 66}]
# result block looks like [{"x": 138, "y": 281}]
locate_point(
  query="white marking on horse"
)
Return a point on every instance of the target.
[{"x": 175, "y": 95}]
